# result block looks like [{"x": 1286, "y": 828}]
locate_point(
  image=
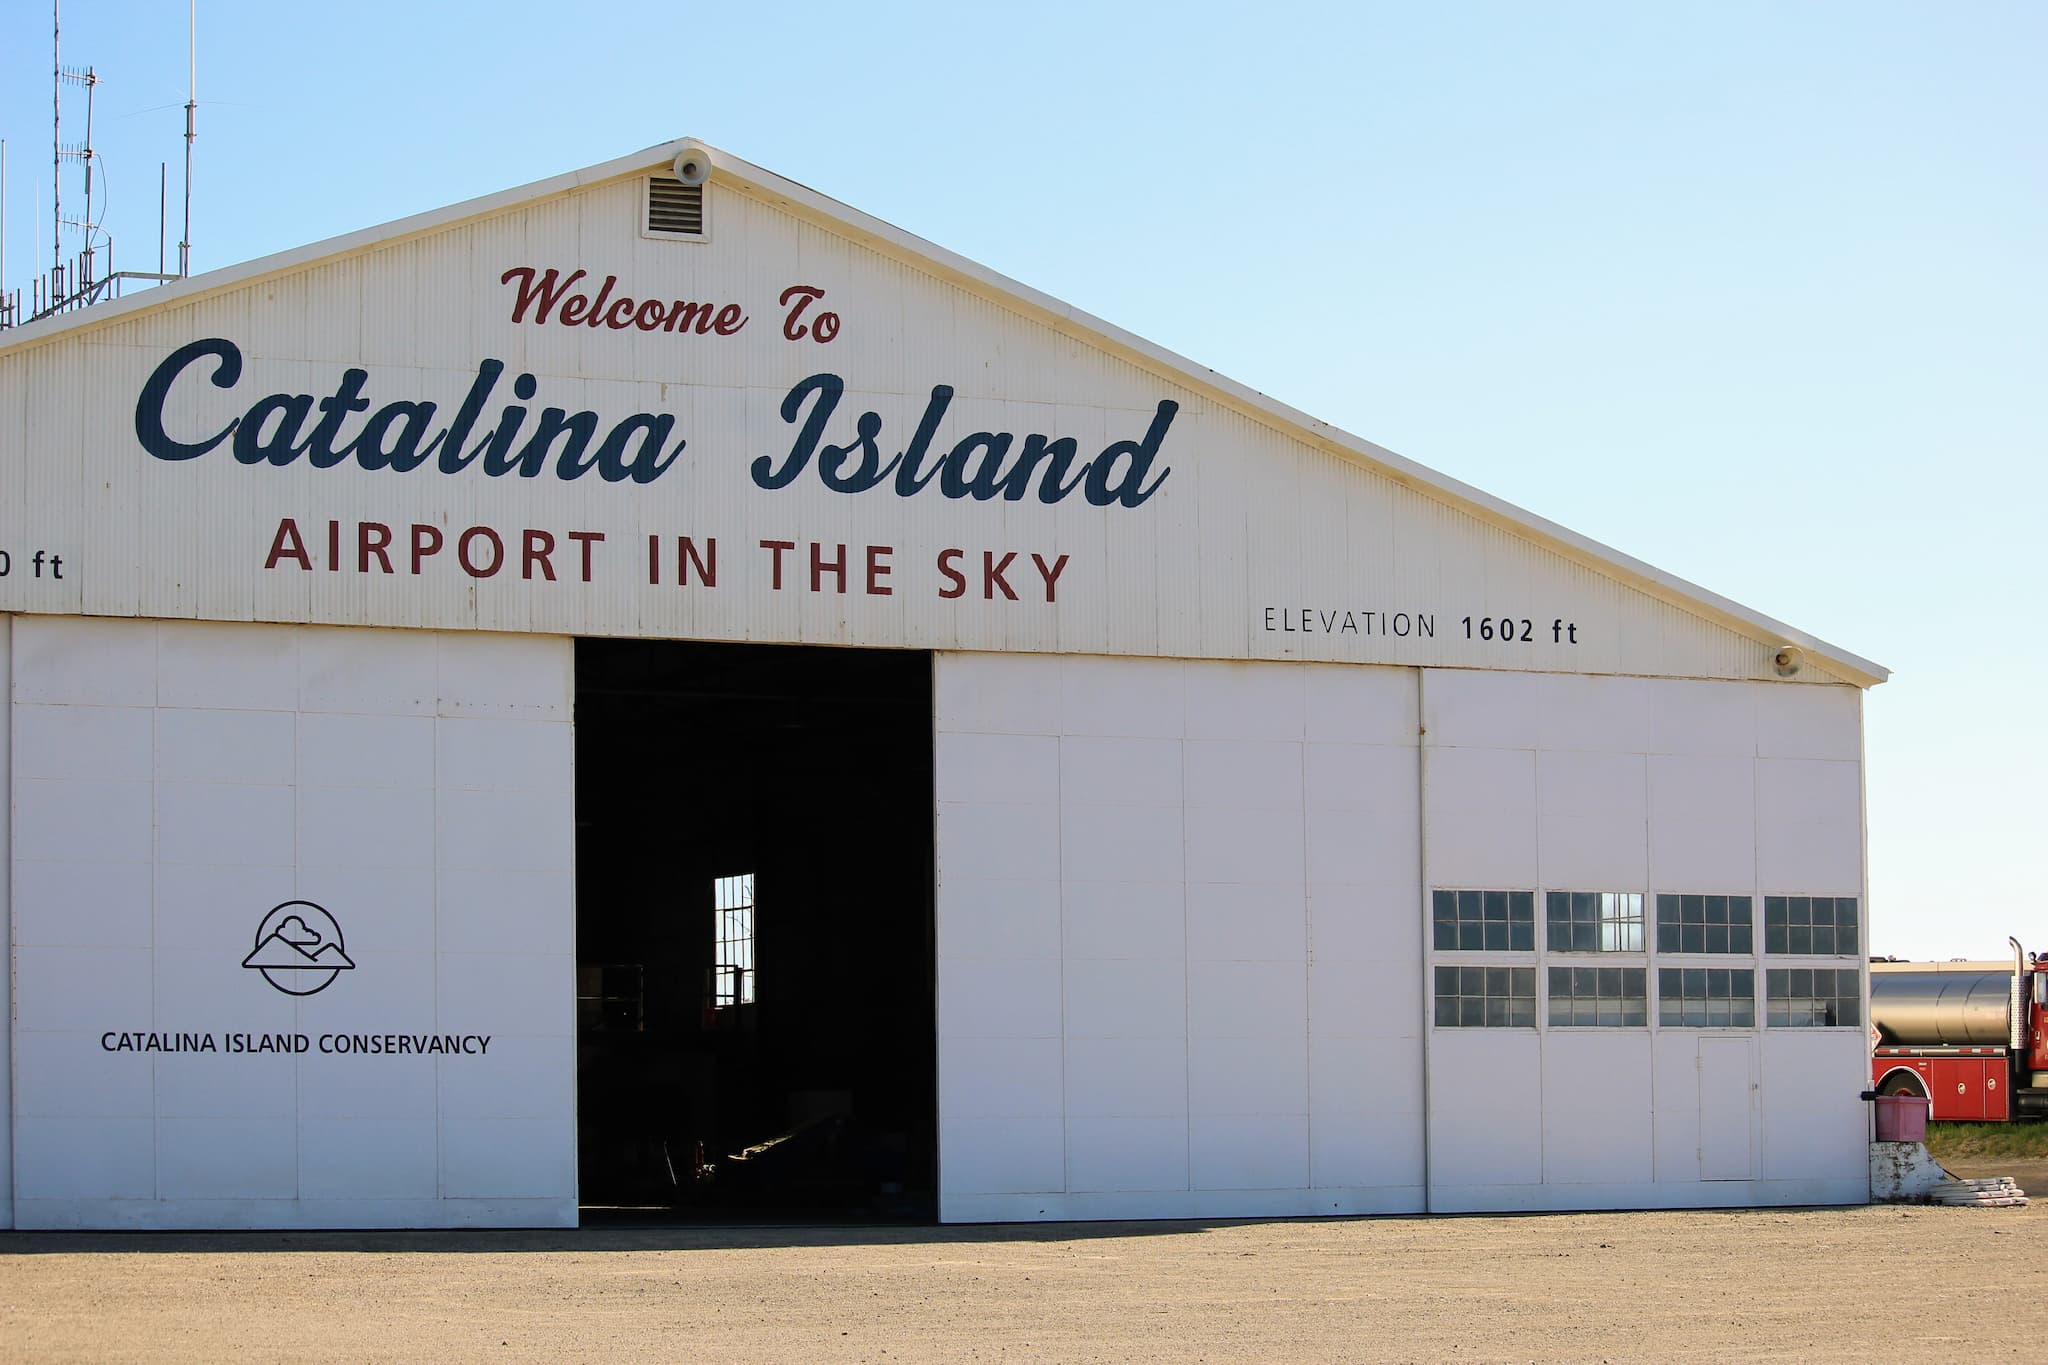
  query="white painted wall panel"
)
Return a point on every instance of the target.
[
  {"x": 1814, "y": 1127},
  {"x": 1232, "y": 1041},
  {"x": 229, "y": 769},
  {"x": 1485, "y": 1115},
  {"x": 1597, "y": 1101},
  {"x": 1809, "y": 827}
]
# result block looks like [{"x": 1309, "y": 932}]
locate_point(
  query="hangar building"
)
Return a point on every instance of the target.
[{"x": 655, "y": 688}]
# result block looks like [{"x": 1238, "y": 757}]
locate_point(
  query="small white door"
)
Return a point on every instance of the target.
[{"x": 1725, "y": 1092}]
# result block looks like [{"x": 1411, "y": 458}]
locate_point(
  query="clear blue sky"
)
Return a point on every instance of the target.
[{"x": 1752, "y": 291}]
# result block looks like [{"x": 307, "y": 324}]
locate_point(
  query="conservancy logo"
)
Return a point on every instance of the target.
[{"x": 298, "y": 949}]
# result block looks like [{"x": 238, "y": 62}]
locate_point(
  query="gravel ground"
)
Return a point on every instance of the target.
[{"x": 1791, "y": 1284}]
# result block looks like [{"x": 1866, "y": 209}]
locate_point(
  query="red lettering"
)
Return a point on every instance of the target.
[
  {"x": 681, "y": 314},
  {"x": 470, "y": 537},
  {"x": 286, "y": 544},
  {"x": 826, "y": 327},
  {"x": 547, "y": 291},
  {"x": 586, "y": 539},
  {"x": 947, "y": 559},
  {"x": 820, "y": 566},
  {"x": 597, "y": 310},
  {"x": 654, "y": 559},
  {"x": 686, "y": 555},
  {"x": 878, "y": 569},
  {"x": 792, "y": 328},
  {"x": 1051, "y": 575},
  {"x": 777, "y": 547},
  {"x": 426, "y": 540},
  {"x": 539, "y": 545},
  {"x": 334, "y": 547},
  {"x": 542, "y": 297},
  {"x": 992, "y": 574},
  {"x": 372, "y": 538}
]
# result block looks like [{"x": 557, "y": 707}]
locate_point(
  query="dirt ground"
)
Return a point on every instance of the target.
[{"x": 1804, "y": 1284}]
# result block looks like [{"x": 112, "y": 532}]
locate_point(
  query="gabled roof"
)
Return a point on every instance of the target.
[{"x": 934, "y": 260}]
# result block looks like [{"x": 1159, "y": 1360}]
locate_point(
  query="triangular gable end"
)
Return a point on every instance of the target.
[{"x": 547, "y": 411}]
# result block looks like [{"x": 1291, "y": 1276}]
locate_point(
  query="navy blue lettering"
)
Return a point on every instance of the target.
[
  {"x": 1037, "y": 449},
  {"x": 828, "y": 387},
  {"x": 865, "y": 475},
  {"x": 404, "y": 454},
  {"x": 1133, "y": 490},
  {"x": 149, "y": 406},
  {"x": 452, "y": 458},
  {"x": 907, "y": 481},
  {"x": 321, "y": 452},
  {"x": 281, "y": 447},
  {"x": 554, "y": 422},
  {"x": 648, "y": 463},
  {"x": 956, "y": 482}
]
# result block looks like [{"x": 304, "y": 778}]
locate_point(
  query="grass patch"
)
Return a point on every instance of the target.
[{"x": 1967, "y": 1140}]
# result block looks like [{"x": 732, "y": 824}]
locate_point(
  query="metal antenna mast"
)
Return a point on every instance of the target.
[
  {"x": 56, "y": 147},
  {"x": 191, "y": 116}
]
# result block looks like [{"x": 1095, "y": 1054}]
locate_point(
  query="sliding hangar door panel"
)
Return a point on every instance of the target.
[
  {"x": 1178, "y": 941},
  {"x": 292, "y": 925}
]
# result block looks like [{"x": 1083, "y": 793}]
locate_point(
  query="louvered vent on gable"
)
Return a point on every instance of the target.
[{"x": 674, "y": 209}]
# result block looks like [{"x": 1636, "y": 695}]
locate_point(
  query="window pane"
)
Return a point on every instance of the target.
[{"x": 1481, "y": 921}]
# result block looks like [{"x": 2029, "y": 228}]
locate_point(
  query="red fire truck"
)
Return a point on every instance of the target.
[{"x": 1970, "y": 1037}]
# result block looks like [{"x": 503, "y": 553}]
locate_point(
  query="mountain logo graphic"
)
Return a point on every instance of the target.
[{"x": 299, "y": 949}]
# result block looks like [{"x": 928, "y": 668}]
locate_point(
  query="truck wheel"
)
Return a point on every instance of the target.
[{"x": 1902, "y": 1085}]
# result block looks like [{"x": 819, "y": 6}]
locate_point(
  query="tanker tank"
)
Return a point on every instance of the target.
[{"x": 1942, "y": 1009}]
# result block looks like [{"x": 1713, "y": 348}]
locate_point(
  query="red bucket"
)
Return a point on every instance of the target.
[{"x": 1901, "y": 1118}]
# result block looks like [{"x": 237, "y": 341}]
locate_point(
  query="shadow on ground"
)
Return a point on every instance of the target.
[{"x": 636, "y": 1231}]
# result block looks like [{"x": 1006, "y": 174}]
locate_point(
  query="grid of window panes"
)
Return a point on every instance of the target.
[
  {"x": 1812, "y": 997},
  {"x": 1599, "y": 997},
  {"x": 1486, "y": 997},
  {"x": 1593, "y": 921},
  {"x": 732, "y": 969},
  {"x": 1485, "y": 921},
  {"x": 1705, "y": 924},
  {"x": 1823, "y": 926},
  {"x": 1706, "y": 997}
]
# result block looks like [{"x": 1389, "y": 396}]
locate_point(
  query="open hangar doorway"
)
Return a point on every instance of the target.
[{"x": 754, "y": 961}]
